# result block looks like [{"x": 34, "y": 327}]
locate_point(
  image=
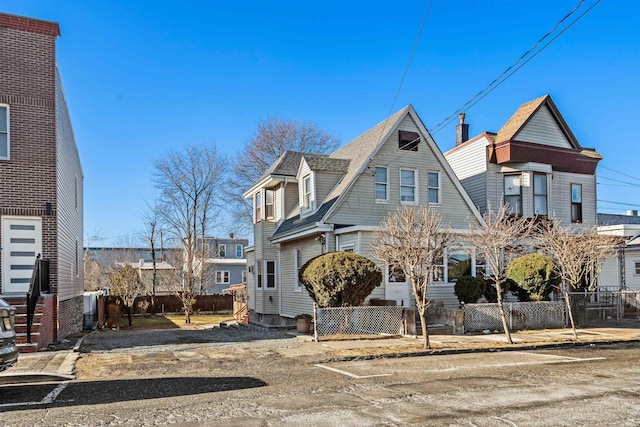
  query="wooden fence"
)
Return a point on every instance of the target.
[{"x": 172, "y": 304}]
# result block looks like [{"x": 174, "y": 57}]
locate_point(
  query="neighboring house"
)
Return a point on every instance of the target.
[
  {"x": 309, "y": 204},
  {"x": 166, "y": 276},
  {"x": 41, "y": 201},
  {"x": 621, "y": 271},
  {"x": 226, "y": 264},
  {"x": 534, "y": 164},
  {"x": 100, "y": 261}
]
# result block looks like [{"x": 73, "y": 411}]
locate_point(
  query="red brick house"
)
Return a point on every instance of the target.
[{"x": 41, "y": 211}]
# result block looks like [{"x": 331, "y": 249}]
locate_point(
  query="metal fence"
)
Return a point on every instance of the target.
[
  {"x": 605, "y": 306},
  {"x": 520, "y": 315},
  {"x": 359, "y": 321}
]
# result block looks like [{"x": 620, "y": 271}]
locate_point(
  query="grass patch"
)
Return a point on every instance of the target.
[{"x": 170, "y": 321}]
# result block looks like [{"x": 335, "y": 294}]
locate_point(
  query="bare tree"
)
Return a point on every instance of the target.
[
  {"x": 188, "y": 181},
  {"x": 125, "y": 283},
  {"x": 413, "y": 239},
  {"x": 150, "y": 219},
  {"x": 579, "y": 254},
  {"x": 272, "y": 138},
  {"x": 498, "y": 237}
]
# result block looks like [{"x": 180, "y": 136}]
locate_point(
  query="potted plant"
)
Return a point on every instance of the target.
[{"x": 303, "y": 323}]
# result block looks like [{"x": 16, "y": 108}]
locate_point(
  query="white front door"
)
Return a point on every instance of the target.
[
  {"x": 397, "y": 287},
  {"x": 21, "y": 243}
]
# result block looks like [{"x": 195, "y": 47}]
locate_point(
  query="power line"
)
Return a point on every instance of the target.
[
  {"x": 505, "y": 75},
  {"x": 633, "y": 184},
  {"x": 621, "y": 173},
  {"x": 413, "y": 51},
  {"x": 618, "y": 203}
]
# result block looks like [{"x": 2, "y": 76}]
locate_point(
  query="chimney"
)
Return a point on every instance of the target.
[
  {"x": 231, "y": 235},
  {"x": 462, "y": 131}
]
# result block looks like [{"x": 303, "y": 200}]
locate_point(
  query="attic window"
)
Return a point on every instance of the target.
[{"x": 408, "y": 141}]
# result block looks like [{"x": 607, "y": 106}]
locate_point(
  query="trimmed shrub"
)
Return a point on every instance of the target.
[
  {"x": 469, "y": 289},
  {"x": 534, "y": 274},
  {"x": 491, "y": 294},
  {"x": 340, "y": 279}
]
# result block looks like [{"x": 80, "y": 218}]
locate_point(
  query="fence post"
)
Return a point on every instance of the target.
[
  {"x": 315, "y": 322},
  {"x": 510, "y": 316}
]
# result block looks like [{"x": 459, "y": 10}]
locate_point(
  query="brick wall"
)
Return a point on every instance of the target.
[
  {"x": 47, "y": 321},
  {"x": 27, "y": 86}
]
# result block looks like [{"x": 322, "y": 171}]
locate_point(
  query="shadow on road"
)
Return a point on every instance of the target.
[{"x": 101, "y": 392}]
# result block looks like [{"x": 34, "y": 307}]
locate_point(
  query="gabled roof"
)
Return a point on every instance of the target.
[
  {"x": 526, "y": 111},
  {"x": 358, "y": 153}
]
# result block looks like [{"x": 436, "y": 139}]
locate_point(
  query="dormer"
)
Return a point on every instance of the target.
[{"x": 317, "y": 175}]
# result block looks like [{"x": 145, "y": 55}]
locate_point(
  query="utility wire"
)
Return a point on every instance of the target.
[
  {"x": 413, "y": 51},
  {"x": 618, "y": 203},
  {"x": 510, "y": 70},
  {"x": 633, "y": 184},
  {"x": 621, "y": 173}
]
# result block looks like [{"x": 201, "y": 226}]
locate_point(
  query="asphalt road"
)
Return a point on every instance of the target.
[{"x": 260, "y": 383}]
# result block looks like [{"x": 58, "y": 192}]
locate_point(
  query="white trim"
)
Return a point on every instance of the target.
[
  {"x": 297, "y": 286},
  {"x": 226, "y": 261},
  {"x": 439, "y": 187},
  {"x": 416, "y": 190},
  {"x": 222, "y": 246},
  {"x": 275, "y": 275},
  {"x": 353, "y": 228},
  {"x": 241, "y": 250},
  {"x": 222, "y": 275},
  {"x": 315, "y": 228},
  {"x": 8, "y": 156},
  {"x": 386, "y": 184},
  {"x": 351, "y": 246}
]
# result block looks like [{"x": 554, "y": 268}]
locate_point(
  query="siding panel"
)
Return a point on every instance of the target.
[{"x": 543, "y": 129}]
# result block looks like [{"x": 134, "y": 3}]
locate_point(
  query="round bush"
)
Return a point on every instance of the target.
[
  {"x": 340, "y": 279},
  {"x": 534, "y": 274}
]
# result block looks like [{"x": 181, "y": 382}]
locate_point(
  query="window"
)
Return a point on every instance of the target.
[
  {"x": 438, "y": 270},
  {"x": 458, "y": 264},
  {"x": 408, "y": 141},
  {"x": 576, "y": 202},
  {"x": 513, "y": 193},
  {"x": 222, "y": 250},
  {"x": 382, "y": 184},
  {"x": 481, "y": 265},
  {"x": 637, "y": 265},
  {"x": 407, "y": 186},
  {"x": 540, "y": 194},
  {"x": 433, "y": 183},
  {"x": 257, "y": 203},
  {"x": 239, "y": 251},
  {"x": 271, "y": 274},
  {"x": 347, "y": 248},
  {"x": 222, "y": 277},
  {"x": 258, "y": 274},
  {"x": 306, "y": 192},
  {"x": 297, "y": 263},
  {"x": 4, "y": 132},
  {"x": 244, "y": 276},
  {"x": 396, "y": 274},
  {"x": 268, "y": 204}
]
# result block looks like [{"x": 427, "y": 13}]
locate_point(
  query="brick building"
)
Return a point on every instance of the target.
[{"x": 41, "y": 208}]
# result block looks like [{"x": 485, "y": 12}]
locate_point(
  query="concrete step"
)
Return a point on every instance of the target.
[{"x": 27, "y": 348}]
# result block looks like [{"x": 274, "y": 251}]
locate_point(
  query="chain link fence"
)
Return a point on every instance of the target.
[
  {"x": 605, "y": 306},
  {"x": 359, "y": 321},
  {"x": 520, "y": 315}
]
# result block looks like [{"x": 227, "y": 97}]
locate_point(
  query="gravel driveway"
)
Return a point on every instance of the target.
[{"x": 157, "y": 340}]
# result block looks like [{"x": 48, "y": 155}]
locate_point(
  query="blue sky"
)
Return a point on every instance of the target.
[{"x": 145, "y": 77}]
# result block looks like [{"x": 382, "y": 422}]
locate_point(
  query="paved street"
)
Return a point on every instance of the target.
[{"x": 283, "y": 381}]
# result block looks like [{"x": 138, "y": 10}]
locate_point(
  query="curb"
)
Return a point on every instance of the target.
[{"x": 443, "y": 352}]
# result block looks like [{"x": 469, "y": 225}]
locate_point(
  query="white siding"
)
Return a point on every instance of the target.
[
  {"x": 294, "y": 301},
  {"x": 291, "y": 197},
  {"x": 443, "y": 292},
  {"x": 543, "y": 129},
  {"x": 324, "y": 183},
  {"x": 359, "y": 208},
  {"x": 560, "y": 206},
  {"x": 69, "y": 179},
  {"x": 470, "y": 166}
]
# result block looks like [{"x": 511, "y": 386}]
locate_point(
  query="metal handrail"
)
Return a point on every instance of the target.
[{"x": 39, "y": 283}]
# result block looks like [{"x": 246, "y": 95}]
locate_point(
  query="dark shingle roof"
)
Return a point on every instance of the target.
[
  {"x": 614, "y": 219},
  {"x": 324, "y": 163},
  {"x": 296, "y": 223}
]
